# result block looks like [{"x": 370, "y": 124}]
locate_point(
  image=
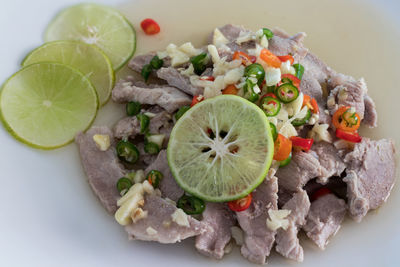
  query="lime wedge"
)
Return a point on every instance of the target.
[
  {"x": 89, "y": 59},
  {"x": 45, "y": 104},
  {"x": 230, "y": 165},
  {"x": 96, "y": 24}
]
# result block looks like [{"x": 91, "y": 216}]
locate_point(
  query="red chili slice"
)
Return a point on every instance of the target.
[
  {"x": 207, "y": 78},
  {"x": 150, "y": 26},
  {"x": 197, "y": 99},
  {"x": 286, "y": 58},
  {"x": 353, "y": 137},
  {"x": 295, "y": 81},
  {"x": 240, "y": 204},
  {"x": 302, "y": 143}
]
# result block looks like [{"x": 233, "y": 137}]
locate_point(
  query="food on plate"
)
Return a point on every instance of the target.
[{"x": 198, "y": 134}]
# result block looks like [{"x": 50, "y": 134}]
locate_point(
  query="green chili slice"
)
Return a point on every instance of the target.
[
  {"x": 154, "y": 177},
  {"x": 350, "y": 118},
  {"x": 144, "y": 122},
  {"x": 249, "y": 93},
  {"x": 191, "y": 204},
  {"x": 124, "y": 184},
  {"x": 156, "y": 62},
  {"x": 268, "y": 33},
  {"x": 286, "y": 162},
  {"x": 199, "y": 63},
  {"x": 287, "y": 92},
  {"x": 181, "y": 111},
  {"x": 255, "y": 70},
  {"x": 151, "y": 148},
  {"x": 299, "y": 70},
  {"x": 127, "y": 151},
  {"x": 271, "y": 89},
  {"x": 133, "y": 108},
  {"x": 271, "y": 106},
  {"x": 146, "y": 70},
  {"x": 274, "y": 131},
  {"x": 302, "y": 121}
]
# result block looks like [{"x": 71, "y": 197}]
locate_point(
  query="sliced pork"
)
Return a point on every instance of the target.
[
  {"x": 159, "y": 224},
  {"x": 324, "y": 219},
  {"x": 370, "y": 175},
  {"x": 174, "y": 78},
  {"x": 281, "y": 46},
  {"x": 287, "y": 242},
  {"x": 328, "y": 157},
  {"x": 258, "y": 238},
  {"x": 303, "y": 167},
  {"x": 102, "y": 168},
  {"x": 167, "y": 97},
  {"x": 219, "y": 219}
]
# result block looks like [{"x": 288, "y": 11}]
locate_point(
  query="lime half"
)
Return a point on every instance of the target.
[
  {"x": 89, "y": 59},
  {"x": 95, "y": 24},
  {"x": 45, "y": 104},
  {"x": 221, "y": 149}
]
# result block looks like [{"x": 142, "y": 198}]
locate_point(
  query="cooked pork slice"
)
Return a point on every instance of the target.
[
  {"x": 168, "y": 186},
  {"x": 303, "y": 167},
  {"x": 370, "y": 175},
  {"x": 331, "y": 163},
  {"x": 258, "y": 238},
  {"x": 347, "y": 91},
  {"x": 219, "y": 219},
  {"x": 293, "y": 45},
  {"x": 127, "y": 127},
  {"x": 287, "y": 242},
  {"x": 138, "y": 62},
  {"x": 284, "y": 196},
  {"x": 102, "y": 168},
  {"x": 233, "y": 34},
  {"x": 161, "y": 225},
  {"x": 324, "y": 219},
  {"x": 145, "y": 158},
  {"x": 317, "y": 69},
  {"x": 166, "y": 97},
  {"x": 178, "y": 80}
]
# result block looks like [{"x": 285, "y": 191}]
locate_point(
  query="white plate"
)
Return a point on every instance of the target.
[{"x": 49, "y": 216}]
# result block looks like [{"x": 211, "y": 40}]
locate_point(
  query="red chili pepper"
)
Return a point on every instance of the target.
[
  {"x": 286, "y": 58},
  {"x": 197, "y": 99},
  {"x": 353, "y": 137},
  {"x": 245, "y": 58},
  {"x": 320, "y": 192},
  {"x": 315, "y": 108},
  {"x": 240, "y": 204},
  {"x": 150, "y": 27},
  {"x": 295, "y": 81},
  {"x": 253, "y": 59},
  {"x": 207, "y": 78},
  {"x": 302, "y": 143}
]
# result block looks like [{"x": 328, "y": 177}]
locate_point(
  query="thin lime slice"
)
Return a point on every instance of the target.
[
  {"x": 230, "y": 165},
  {"x": 89, "y": 59},
  {"x": 99, "y": 25},
  {"x": 45, "y": 104}
]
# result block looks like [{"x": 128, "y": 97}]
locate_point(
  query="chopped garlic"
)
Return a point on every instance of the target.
[
  {"x": 102, "y": 141},
  {"x": 331, "y": 102},
  {"x": 189, "y": 49},
  {"x": 245, "y": 36},
  {"x": 214, "y": 53},
  {"x": 129, "y": 204},
  {"x": 162, "y": 54},
  {"x": 139, "y": 177},
  {"x": 219, "y": 39},
  {"x": 286, "y": 129},
  {"x": 150, "y": 114},
  {"x": 147, "y": 187},
  {"x": 273, "y": 120},
  {"x": 286, "y": 68},
  {"x": 177, "y": 56},
  {"x": 272, "y": 76},
  {"x": 189, "y": 71},
  {"x": 151, "y": 231},
  {"x": 237, "y": 235},
  {"x": 264, "y": 41},
  {"x": 234, "y": 75},
  {"x": 296, "y": 105},
  {"x": 156, "y": 139},
  {"x": 342, "y": 96},
  {"x": 314, "y": 119},
  {"x": 180, "y": 218},
  {"x": 320, "y": 133},
  {"x": 256, "y": 51},
  {"x": 277, "y": 219},
  {"x": 138, "y": 214}
]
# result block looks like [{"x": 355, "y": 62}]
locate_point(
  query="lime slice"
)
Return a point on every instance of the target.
[
  {"x": 45, "y": 104},
  {"x": 99, "y": 25},
  {"x": 89, "y": 59},
  {"x": 230, "y": 165}
]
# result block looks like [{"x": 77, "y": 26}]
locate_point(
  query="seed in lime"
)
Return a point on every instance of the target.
[
  {"x": 89, "y": 59},
  {"x": 96, "y": 24},
  {"x": 45, "y": 104},
  {"x": 221, "y": 149}
]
